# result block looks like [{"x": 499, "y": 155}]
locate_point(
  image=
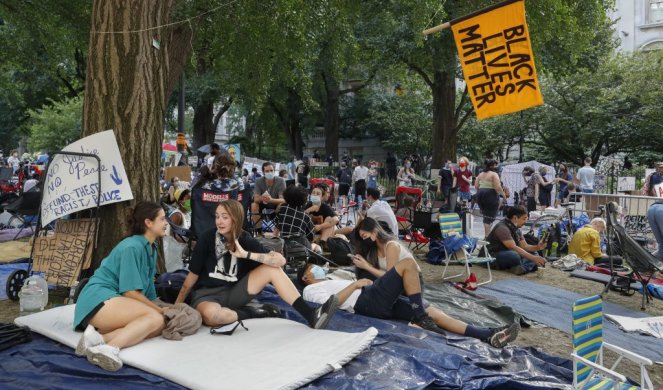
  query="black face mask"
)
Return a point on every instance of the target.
[{"x": 368, "y": 242}]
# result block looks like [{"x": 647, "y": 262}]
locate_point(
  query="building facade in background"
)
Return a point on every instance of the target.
[{"x": 639, "y": 24}]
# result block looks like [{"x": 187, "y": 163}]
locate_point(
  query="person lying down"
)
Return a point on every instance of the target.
[{"x": 383, "y": 298}]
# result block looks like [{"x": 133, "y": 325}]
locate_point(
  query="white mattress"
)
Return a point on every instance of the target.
[{"x": 274, "y": 353}]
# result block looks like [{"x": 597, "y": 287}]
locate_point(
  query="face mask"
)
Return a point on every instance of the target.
[
  {"x": 368, "y": 242},
  {"x": 407, "y": 165},
  {"x": 315, "y": 199},
  {"x": 186, "y": 205},
  {"x": 318, "y": 272},
  {"x": 462, "y": 165},
  {"x": 269, "y": 175}
]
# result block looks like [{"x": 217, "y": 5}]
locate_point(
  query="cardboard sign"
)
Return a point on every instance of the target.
[
  {"x": 495, "y": 53},
  {"x": 60, "y": 257},
  {"x": 183, "y": 173},
  {"x": 72, "y": 182},
  {"x": 193, "y": 161},
  {"x": 626, "y": 183}
]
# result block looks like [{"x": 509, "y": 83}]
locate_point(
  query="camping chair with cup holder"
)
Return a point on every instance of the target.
[
  {"x": 460, "y": 248},
  {"x": 588, "y": 346},
  {"x": 180, "y": 233}
]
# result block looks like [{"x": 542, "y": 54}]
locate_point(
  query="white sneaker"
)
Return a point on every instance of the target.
[
  {"x": 105, "y": 356},
  {"x": 90, "y": 338}
]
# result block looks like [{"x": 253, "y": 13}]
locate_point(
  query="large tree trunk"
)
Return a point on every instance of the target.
[
  {"x": 203, "y": 124},
  {"x": 126, "y": 89},
  {"x": 332, "y": 120},
  {"x": 444, "y": 122}
]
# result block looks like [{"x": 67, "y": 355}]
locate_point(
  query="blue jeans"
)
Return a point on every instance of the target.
[
  {"x": 509, "y": 259},
  {"x": 587, "y": 190},
  {"x": 655, "y": 218}
]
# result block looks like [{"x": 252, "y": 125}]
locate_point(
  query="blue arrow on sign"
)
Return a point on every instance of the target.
[{"x": 116, "y": 178}]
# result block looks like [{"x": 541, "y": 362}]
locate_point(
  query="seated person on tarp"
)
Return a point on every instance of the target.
[
  {"x": 291, "y": 219},
  {"x": 116, "y": 308},
  {"x": 267, "y": 193},
  {"x": 323, "y": 216},
  {"x": 229, "y": 268},
  {"x": 507, "y": 244},
  {"x": 586, "y": 244},
  {"x": 383, "y": 299}
]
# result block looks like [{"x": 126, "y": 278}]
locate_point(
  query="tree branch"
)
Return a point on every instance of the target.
[
  {"x": 222, "y": 110},
  {"x": 460, "y": 124},
  {"x": 359, "y": 87},
  {"x": 419, "y": 71}
]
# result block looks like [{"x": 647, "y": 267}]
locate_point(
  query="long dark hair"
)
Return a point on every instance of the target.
[
  {"x": 137, "y": 215},
  {"x": 369, "y": 224}
]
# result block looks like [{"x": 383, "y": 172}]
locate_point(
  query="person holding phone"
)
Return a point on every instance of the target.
[
  {"x": 507, "y": 244},
  {"x": 229, "y": 268},
  {"x": 267, "y": 193}
]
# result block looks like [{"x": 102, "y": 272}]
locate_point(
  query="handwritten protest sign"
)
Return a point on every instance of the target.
[
  {"x": 496, "y": 56},
  {"x": 60, "y": 257},
  {"x": 72, "y": 181},
  {"x": 626, "y": 183},
  {"x": 658, "y": 190}
]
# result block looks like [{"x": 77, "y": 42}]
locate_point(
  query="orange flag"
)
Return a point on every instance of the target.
[{"x": 496, "y": 56}]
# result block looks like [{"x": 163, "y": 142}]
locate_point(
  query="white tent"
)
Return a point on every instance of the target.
[{"x": 512, "y": 176}]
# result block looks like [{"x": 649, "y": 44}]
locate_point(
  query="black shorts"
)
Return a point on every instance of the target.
[
  {"x": 489, "y": 204},
  {"x": 86, "y": 321},
  {"x": 232, "y": 296},
  {"x": 384, "y": 299}
]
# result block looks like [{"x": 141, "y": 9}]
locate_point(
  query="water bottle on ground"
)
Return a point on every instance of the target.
[
  {"x": 33, "y": 296},
  {"x": 553, "y": 249}
]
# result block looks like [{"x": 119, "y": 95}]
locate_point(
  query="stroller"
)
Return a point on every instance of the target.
[{"x": 642, "y": 263}]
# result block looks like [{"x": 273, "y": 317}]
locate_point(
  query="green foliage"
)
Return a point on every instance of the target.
[{"x": 54, "y": 127}]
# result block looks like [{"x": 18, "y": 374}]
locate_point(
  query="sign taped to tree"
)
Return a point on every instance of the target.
[
  {"x": 496, "y": 56},
  {"x": 72, "y": 182}
]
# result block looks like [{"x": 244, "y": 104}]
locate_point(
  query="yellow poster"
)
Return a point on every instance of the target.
[{"x": 496, "y": 56}]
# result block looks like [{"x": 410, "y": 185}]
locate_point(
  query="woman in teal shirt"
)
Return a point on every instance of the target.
[{"x": 115, "y": 307}]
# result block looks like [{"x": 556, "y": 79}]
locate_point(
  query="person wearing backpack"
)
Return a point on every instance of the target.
[{"x": 344, "y": 177}]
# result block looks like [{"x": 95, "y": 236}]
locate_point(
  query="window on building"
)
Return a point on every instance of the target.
[{"x": 655, "y": 11}]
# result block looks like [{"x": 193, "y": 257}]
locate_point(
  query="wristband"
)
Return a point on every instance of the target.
[{"x": 248, "y": 255}]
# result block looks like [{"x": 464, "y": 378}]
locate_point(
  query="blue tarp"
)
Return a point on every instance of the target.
[
  {"x": 400, "y": 357},
  {"x": 552, "y": 306}
]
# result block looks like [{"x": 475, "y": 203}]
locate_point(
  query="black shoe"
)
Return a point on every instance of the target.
[
  {"x": 261, "y": 311},
  {"x": 324, "y": 313},
  {"x": 504, "y": 335},
  {"x": 426, "y": 322}
]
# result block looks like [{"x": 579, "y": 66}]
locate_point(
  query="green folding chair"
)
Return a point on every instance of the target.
[
  {"x": 588, "y": 369},
  {"x": 450, "y": 225}
]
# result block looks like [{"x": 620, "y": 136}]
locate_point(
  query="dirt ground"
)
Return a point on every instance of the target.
[{"x": 550, "y": 340}]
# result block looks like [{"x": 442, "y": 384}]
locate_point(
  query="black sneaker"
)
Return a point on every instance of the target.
[
  {"x": 324, "y": 313},
  {"x": 504, "y": 335},
  {"x": 426, "y": 322}
]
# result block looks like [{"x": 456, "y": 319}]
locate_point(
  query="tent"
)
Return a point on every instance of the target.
[{"x": 512, "y": 177}]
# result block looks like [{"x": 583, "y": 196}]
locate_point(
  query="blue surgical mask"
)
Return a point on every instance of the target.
[
  {"x": 269, "y": 175},
  {"x": 315, "y": 199},
  {"x": 318, "y": 272}
]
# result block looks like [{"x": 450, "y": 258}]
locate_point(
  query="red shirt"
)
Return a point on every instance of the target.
[{"x": 463, "y": 186}]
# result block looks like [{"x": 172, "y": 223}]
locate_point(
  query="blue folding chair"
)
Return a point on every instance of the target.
[{"x": 588, "y": 369}]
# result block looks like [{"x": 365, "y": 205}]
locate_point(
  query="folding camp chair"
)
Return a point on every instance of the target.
[
  {"x": 25, "y": 209},
  {"x": 450, "y": 225},
  {"x": 588, "y": 369},
  {"x": 643, "y": 263}
]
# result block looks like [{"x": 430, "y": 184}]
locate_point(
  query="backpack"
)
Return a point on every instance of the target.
[
  {"x": 169, "y": 284},
  {"x": 340, "y": 249}
]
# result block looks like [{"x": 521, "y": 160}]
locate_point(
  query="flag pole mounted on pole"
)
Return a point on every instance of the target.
[{"x": 496, "y": 56}]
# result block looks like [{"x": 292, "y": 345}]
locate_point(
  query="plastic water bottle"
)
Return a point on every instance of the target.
[
  {"x": 553, "y": 249},
  {"x": 72, "y": 293},
  {"x": 33, "y": 295},
  {"x": 360, "y": 202}
]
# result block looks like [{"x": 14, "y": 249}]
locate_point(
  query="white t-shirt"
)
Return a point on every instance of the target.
[
  {"x": 13, "y": 162},
  {"x": 321, "y": 291},
  {"x": 586, "y": 177},
  {"x": 361, "y": 172},
  {"x": 382, "y": 212}
]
